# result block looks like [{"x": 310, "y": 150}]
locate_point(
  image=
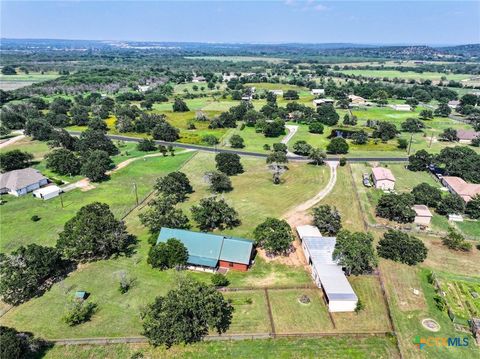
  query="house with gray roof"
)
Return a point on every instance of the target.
[
  {"x": 210, "y": 251},
  {"x": 21, "y": 182}
]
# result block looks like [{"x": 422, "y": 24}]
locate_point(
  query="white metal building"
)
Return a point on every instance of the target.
[
  {"x": 47, "y": 192},
  {"x": 327, "y": 274}
]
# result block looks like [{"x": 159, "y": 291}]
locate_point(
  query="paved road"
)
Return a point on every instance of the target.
[{"x": 246, "y": 153}]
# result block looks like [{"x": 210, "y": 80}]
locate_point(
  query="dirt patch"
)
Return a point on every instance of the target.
[{"x": 431, "y": 325}]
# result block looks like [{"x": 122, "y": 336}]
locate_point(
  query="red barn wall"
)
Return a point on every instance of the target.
[{"x": 235, "y": 266}]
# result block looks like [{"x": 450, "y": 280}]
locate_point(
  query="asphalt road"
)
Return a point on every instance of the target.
[{"x": 245, "y": 153}]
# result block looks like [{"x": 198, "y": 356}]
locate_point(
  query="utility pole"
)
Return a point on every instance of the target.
[
  {"x": 431, "y": 139},
  {"x": 410, "y": 144},
  {"x": 136, "y": 192},
  {"x": 61, "y": 198}
]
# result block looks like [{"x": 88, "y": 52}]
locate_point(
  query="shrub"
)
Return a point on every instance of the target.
[
  {"x": 219, "y": 280},
  {"x": 80, "y": 312},
  {"x": 35, "y": 218},
  {"x": 343, "y": 161}
]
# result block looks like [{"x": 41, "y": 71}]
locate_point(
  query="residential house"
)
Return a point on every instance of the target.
[
  {"x": 457, "y": 185},
  {"x": 326, "y": 273},
  {"x": 356, "y": 101},
  {"x": 207, "y": 251},
  {"x": 423, "y": 216},
  {"x": 317, "y": 92},
  {"x": 323, "y": 101},
  {"x": 453, "y": 104},
  {"x": 466, "y": 136},
  {"x": 21, "y": 182},
  {"x": 383, "y": 178}
]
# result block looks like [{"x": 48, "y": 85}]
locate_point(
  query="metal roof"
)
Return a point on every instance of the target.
[
  {"x": 207, "y": 249},
  {"x": 332, "y": 277},
  {"x": 308, "y": 231}
]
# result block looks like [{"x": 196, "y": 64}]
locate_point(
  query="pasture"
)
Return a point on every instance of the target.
[
  {"x": 407, "y": 75},
  {"x": 344, "y": 347},
  {"x": 13, "y": 82}
]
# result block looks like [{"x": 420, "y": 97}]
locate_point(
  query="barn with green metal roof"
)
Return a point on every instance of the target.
[{"x": 207, "y": 250}]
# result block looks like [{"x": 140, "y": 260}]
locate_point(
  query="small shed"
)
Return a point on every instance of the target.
[
  {"x": 308, "y": 231},
  {"x": 423, "y": 216},
  {"x": 81, "y": 295},
  {"x": 47, "y": 192}
]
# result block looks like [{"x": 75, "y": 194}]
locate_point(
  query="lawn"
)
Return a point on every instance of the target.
[
  {"x": 117, "y": 192},
  {"x": 292, "y": 316},
  {"x": 255, "y": 197},
  {"x": 254, "y": 141},
  {"x": 250, "y": 315},
  {"x": 344, "y": 347},
  {"x": 434, "y": 76},
  {"x": 343, "y": 198},
  {"x": 37, "y": 148},
  {"x": 375, "y": 315},
  {"x": 118, "y": 314}
]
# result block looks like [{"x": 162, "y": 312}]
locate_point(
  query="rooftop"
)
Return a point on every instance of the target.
[
  {"x": 332, "y": 277},
  {"x": 207, "y": 249},
  {"x": 422, "y": 210},
  {"x": 467, "y": 134},
  {"x": 381, "y": 173},
  {"x": 463, "y": 189},
  {"x": 18, "y": 179}
]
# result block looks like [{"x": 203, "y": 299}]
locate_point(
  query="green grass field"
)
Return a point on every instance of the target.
[
  {"x": 117, "y": 192},
  {"x": 344, "y": 347},
  {"x": 255, "y": 196},
  {"x": 292, "y": 316},
  {"x": 13, "y": 82},
  {"x": 390, "y": 74}
]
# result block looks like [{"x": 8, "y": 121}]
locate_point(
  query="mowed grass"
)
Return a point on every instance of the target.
[
  {"x": 408, "y": 312},
  {"x": 375, "y": 315},
  {"x": 344, "y": 347},
  {"x": 434, "y": 76},
  {"x": 118, "y": 192},
  {"x": 292, "y": 316},
  {"x": 119, "y": 315},
  {"x": 37, "y": 148},
  {"x": 250, "y": 314},
  {"x": 254, "y": 196},
  {"x": 343, "y": 198}
]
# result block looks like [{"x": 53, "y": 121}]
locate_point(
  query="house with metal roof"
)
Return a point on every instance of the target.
[
  {"x": 326, "y": 273},
  {"x": 210, "y": 251},
  {"x": 20, "y": 182}
]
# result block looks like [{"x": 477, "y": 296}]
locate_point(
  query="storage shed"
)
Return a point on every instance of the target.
[
  {"x": 47, "y": 192},
  {"x": 326, "y": 273}
]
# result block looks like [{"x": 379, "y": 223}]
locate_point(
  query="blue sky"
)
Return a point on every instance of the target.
[{"x": 377, "y": 22}]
